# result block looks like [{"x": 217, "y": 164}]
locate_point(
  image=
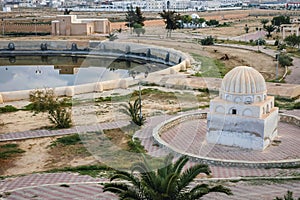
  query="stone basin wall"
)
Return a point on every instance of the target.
[{"x": 175, "y": 59}]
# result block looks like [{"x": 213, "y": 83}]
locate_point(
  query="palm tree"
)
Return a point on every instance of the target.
[
  {"x": 269, "y": 29},
  {"x": 171, "y": 20},
  {"x": 134, "y": 111},
  {"x": 167, "y": 183}
]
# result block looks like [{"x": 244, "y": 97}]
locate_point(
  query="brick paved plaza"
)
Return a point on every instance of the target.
[{"x": 190, "y": 138}]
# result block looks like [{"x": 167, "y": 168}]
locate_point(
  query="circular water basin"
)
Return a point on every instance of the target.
[{"x": 35, "y": 72}]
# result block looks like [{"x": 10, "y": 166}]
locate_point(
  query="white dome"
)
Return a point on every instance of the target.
[
  {"x": 243, "y": 80},
  {"x": 195, "y": 16}
]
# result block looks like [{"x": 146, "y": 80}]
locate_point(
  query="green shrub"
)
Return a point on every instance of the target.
[
  {"x": 60, "y": 117},
  {"x": 285, "y": 60},
  {"x": 207, "y": 41},
  {"x": 136, "y": 146},
  {"x": 260, "y": 42},
  {"x": 9, "y": 150},
  {"x": 8, "y": 108},
  {"x": 133, "y": 110},
  {"x": 42, "y": 100},
  {"x": 67, "y": 140}
]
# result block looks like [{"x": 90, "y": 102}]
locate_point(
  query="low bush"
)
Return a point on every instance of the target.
[
  {"x": 8, "y": 108},
  {"x": 207, "y": 41}
]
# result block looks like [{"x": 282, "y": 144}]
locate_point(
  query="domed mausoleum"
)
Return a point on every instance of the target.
[{"x": 242, "y": 115}]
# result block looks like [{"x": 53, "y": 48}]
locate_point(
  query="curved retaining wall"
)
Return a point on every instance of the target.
[
  {"x": 176, "y": 59},
  {"x": 158, "y": 131}
]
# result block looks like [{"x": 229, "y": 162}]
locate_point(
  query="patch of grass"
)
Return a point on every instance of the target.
[
  {"x": 10, "y": 150},
  {"x": 235, "y": 42},
  {"x": 210, "y": 67},
  {"x": 286, "y": 103},
  {"x": 67, "y": 140},
  {"x": 8, "y": 108},
  {"x": 91, "y": 170},
  {"x": 136, "y": 146}
]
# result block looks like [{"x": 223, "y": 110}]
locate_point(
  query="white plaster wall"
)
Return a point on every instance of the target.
[{"x": 237, "y": 139}]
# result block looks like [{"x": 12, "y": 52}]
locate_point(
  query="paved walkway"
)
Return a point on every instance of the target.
[
  {"x": 51, "y": 186},
  {"x": 69, "y": 186},
  {"x": 51, "y": 133}
]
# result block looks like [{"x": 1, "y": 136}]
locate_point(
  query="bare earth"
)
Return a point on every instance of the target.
[{"x": 37, "y": 156}]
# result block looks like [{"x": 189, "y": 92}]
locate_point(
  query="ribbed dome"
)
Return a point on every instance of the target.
[{"x": 243, "y": 80}]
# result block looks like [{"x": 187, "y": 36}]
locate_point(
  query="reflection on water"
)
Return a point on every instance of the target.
[{"x": 50, "y": 71}]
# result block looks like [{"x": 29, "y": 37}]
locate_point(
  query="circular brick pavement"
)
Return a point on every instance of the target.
[{"x": 189, "y": 137}]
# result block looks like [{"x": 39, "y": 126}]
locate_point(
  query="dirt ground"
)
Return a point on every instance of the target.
[{"x": 37, "y": 156}]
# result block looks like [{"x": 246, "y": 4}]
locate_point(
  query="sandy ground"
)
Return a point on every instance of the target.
[{"x": 37, "y": 157}]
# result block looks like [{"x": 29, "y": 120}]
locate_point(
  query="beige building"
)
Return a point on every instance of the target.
[
  {"x": 290, "y": 29},
  {"x": 243, "y": 115},
  {"x": 69, "y": 25}
]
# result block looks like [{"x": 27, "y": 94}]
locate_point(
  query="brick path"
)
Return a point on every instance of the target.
[
  {"x": 50, "y": 133},
  {"x": 48, "y": 187}
]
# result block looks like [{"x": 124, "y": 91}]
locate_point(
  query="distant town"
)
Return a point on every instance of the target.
[{"x": 152, "y": 5}]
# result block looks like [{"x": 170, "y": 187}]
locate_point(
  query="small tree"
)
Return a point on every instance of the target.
[
  {"x": 278, "y": 20},
  {"x": 285, "y": 60},
  {"x": 138, "y": 29},
  {"x": 264, "y": 22},
  {"x": 171, "y": 19},
  {"x": 130, "y": 17},
  {"x": 134, "y": 17},
  {"x": 212, "y": 22},
  {"x": 293, "y": 40},
  {"x": 207, "y": 41},
  {"x": 269, "y": 29},
  {"x": 112, "y": 36},
  {"x": 246, "y": 28}
]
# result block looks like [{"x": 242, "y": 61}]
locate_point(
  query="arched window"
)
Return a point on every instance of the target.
[
  {"x": 268, "y": 108},
  {"x": 232, "y": 111}
]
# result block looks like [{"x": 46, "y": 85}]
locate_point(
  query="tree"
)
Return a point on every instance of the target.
[
  {"x": 264, "y": 22},
  {"x": 278, "y": 20},
  {"x": 112, "y": 37},
  {"x": 129, "y": 16},
  {"x": 269, "y": 29},
  {"x": 171, "y": 20},
  {"x": 139, "y": 18},
  {"x": 212, "y": 22},
  {"x": 293, "y": 40},
  {"x": 246, "y": 28},
  {"x": 138, "y": 29},
  {"x": 134, "y": 17},
  {"x": 198, "y": 21},
  {"x": 285, "y": 60},
  {"x": 187, "y": 19},
  {"x": 67, "y": 11},
  {"x": 167, "y": 183},
  {"x": 207, "y": 41}
]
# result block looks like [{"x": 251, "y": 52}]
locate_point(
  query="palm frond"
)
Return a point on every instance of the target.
[
  {"x": 179, "y": 164},
  {"x": 188, "y": 175},
  {"x": 115, "y": 187},
  {"x": 126, "y": 176}
]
